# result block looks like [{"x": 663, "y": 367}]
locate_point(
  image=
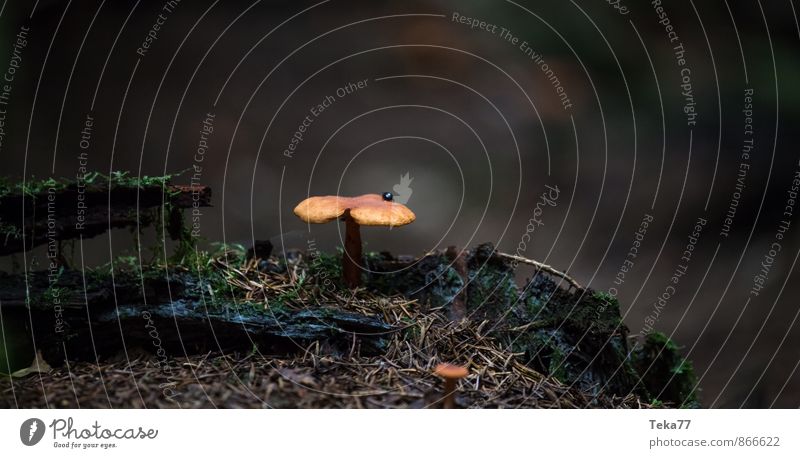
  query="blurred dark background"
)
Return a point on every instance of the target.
[{"x": 474, "y": 120}]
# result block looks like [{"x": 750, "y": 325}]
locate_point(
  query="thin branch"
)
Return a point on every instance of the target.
[{"x": 543, "y": 267}]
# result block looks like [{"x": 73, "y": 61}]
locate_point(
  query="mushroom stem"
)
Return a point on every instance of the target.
[
  {"x": 449, "y": 393},
  {"x": 351, "y": 261}
]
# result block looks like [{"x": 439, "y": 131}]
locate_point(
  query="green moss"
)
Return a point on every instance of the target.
[
  {"x": 430, "y": 281},
  {"x": 5, "y": 187},
  {"x": 187, "y": 243},
  {"x": 54, "y": 293},
  {"x": 35, "y": 189},
  {"x": 274, "y": 307},
  {"x": 665, "y": 373},
  {"x": 575, "y": 336},
  {"x": 492, "y": 291},
  {"x": 290, "y": 296},
  {"x": 325, "y": 270},
  {"x": 93, "y": 181},
  {"x": 443, "y": 285},
  {"x": 412, "y": 331},
  {"x": 557, "y": 364},
  {"x": 250, "y": 308},
  {"x": 123, "y": 265},
  {"x": 534, "y": 305},
  {"x": 123, "y": 179},
  {"x": 209, "y": 278},
  {"x": 9, "y": 232},
  {"x": 198, "y": 272}
]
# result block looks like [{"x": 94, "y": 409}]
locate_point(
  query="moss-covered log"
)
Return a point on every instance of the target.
[
  {"x": 575, "y": 335},
  {"x": 280, "y": 305},
  {"x": 50, "y": 211},
  {"x": 165, "y": 314}
]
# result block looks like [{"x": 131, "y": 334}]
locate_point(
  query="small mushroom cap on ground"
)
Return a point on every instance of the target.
[
  {"x": 451, "y": 371},
  {"x": 366, "y": 210}
]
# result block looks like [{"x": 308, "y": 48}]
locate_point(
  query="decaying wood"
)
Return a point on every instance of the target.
[
  {"x": 73, "y": 212},
  {"x": 161, "y": 315},
  {"x": 185, "y": 328},
  {"x": 458, "y": 308}
]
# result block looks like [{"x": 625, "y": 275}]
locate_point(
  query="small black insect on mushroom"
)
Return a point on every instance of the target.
[{"x": 388, "y": 197}]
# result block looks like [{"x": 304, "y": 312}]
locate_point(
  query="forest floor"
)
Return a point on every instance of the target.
[
  {"x": 230, "y": 327},
  {"x": 391, "y": 368},
  {"x": 253, "y": 381}
]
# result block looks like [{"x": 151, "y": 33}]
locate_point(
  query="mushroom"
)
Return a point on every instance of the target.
[
  {"x": 366, "y": 210},
  {"x": 450, "y": 373}
]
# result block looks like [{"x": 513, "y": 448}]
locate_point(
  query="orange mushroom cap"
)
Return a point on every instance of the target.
[
  {"x": 451, "y": 371},
  {"x": 366, "y": 210}
]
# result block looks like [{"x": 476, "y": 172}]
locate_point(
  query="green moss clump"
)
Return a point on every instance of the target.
[
  {"x": 35, "y": 192},
  {"x": 575, "y": 336},
  {"x": 665, "y": 373},
  {"x": 492, "y": 291},
  {"x": 122, "y": 179},
  {"x": 431, "y": 281},
  {"x": 325, "y": 270},
  {"x": 35, "y": 187},
  {"x": 197, "y": 275},
  {"x": 92, "y": 181},
  {"x": 208, "y": 280},
  {"x": 9, "y": 232},
  {"x": 434, "y": 281}
]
